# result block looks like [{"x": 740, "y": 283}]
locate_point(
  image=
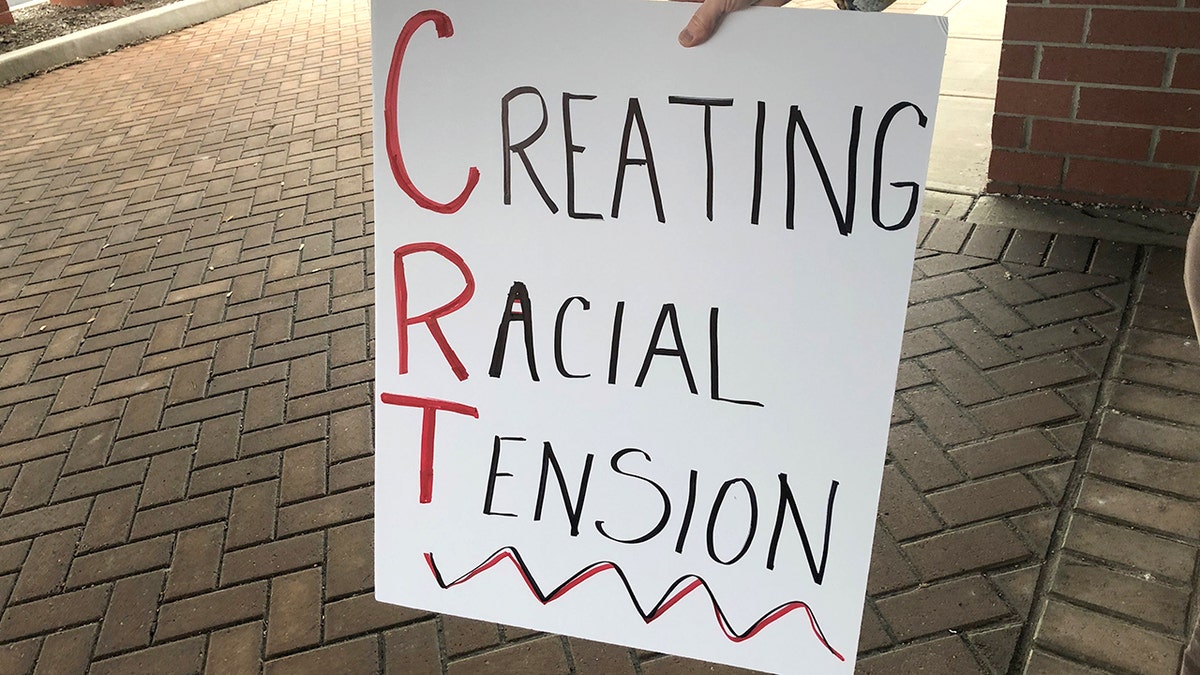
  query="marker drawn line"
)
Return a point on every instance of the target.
[{"x": 676, "y": 592}]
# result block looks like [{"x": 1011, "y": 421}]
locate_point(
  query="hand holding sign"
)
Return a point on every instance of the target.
[{"x": 708, "y": 16}]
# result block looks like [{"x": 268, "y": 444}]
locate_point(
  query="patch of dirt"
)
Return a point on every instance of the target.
[{"x": 43, "y": 21}]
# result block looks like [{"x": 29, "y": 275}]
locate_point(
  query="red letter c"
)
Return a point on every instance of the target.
[{"x": 444, "y": 29}]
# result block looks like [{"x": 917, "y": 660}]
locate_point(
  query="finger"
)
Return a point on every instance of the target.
[
  {"x": 709, "y": 15},
  {"x": 703, "y": 22}
]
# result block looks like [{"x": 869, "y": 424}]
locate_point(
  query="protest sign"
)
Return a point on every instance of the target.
[{"x": 638, "y": 316}]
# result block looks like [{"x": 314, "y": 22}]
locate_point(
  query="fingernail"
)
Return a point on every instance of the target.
[{"x": 685, "y": 38}]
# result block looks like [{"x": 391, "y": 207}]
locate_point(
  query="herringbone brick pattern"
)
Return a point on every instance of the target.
[
  {"x": 1126, "y": 570},
  {"x": 185, "y": 388},
  {"x": 1007, "y": 339}
]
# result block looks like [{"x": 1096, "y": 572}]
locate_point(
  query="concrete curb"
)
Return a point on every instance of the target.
[{"x": 107, "y": 37}]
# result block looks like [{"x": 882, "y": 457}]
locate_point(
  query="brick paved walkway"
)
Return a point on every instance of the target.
[{"x": 185, "y": 387}]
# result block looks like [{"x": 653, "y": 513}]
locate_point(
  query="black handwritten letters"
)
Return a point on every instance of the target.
[
  {"x": 636, "y": 154},
  {"x": 636, "y": 464}
]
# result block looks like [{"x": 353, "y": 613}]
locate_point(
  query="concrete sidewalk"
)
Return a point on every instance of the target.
[{"x": 185, "y": 400}]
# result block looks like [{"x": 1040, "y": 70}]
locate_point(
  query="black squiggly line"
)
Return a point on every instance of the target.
[{"x": 680, "y": 588}]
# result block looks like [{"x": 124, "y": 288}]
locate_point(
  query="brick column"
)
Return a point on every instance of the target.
[
  {"x": 6, "y": 16},
  {"x": 87, "y": 3},
  {"x": 1099, "y": 103}
]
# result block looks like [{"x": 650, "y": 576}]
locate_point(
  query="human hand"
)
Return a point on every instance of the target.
[{"x": 709, "y": 15}]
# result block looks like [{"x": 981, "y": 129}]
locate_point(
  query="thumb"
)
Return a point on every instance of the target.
[{"x": 703, "y": 22}]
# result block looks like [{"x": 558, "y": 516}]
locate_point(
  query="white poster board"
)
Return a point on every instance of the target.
[{"x": 638, "y": 315}]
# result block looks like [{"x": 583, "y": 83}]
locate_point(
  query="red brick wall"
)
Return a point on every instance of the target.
[
  {"x": 1099, "y": 102},
  {"x": 5, "y": 15}
]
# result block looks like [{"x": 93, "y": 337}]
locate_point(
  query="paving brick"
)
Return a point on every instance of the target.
[
  {"x": 67, "y": 651},
  {"x": 1029, "y": 410},
  {"x": 47, "y": 519},
  {"x": 362, "y": 613},
  {"x": 45, "y": 567},
  {"x": 25, "y": 421},
  {"x": 115, "y": 563},
  {"x": 1158, "y": 513},
  {"x": 996, "y": 455},
  {"x": 281, "y": 555},
  {"x": 224, "y": 607},
  {"x": 1053, "y": 479},
  {"x": 983, "y": 499},
  {"x": 131, "y": 612},
  {"x": 978, "y": 345},
  {"x": 965, "y": 383},
  {"x": 363, "y": 653},
  {"x": 902, "y": 509},
  {"x": 304, "y": 473},
  {"x": 945, "y": 420},
  {"x": 323, "y": 512},
  {"x": 34, "y": 484},
  {"x": 1138, "y": 597},
  {"x": 890, "y": 571},
  {"x": 245, "y": 379},
  {"x": 1106, "y": 641},
  {"x": 330, "y": 401},
  {"x": 1044, "y": 663},
  {"x": 1131, "y": 548},
  {"x": 657, "y": 664},
  {"x": 947, "y": 236},
  {"x": 188, "y": 382},
  {"x": 213, "y": 406},
  {"x": 872, "y": 635},
  {"x": 350, "y": 434},
  {"x": 196, "y": 561},
  {"x": 45, "y": 446},
  {"x": 990, "y": 545},
  {"x": 1034, "y": 374},
  {"x": 64, "y": 610},
  {"x": 543, "y": 655},
  {"x": 1157, "y": 473},
  {"x": 463, "y": 636},
  {"x": 166, "y": 478},
  {"x": 182, "y": 656},
  {"x": 352, "y": 474},
  {"x": 110, "y": 519},
  {"x": 1172, "y": 406},
  {"x": 265, "y": 406},
  {"x": 944, "y": 655},
  {"x": 231, "y": 474},
  {"x": 996, "y": 645},
  {"x": 412, "y": 650},
  {"x": 142, "y": 414},
  {"x": 19, "y": 657},
  {"x": 1179, "y": 348},
  {"x": 938, "y": 608},
  {"x": 294, "y": 614},
  {"x": 922, "y": 461},
  {"x": 350, "y": 563},
  {"x": 252, "y": 515},
  {"x": 218, "y": 440},
  {"x": 76, "y": 390},
  {"x": 13, "y": 555},
  {"x": 235, "y": 650},
  {"x": 286, "y": 436},
  {"x": 181, "y": 515}
]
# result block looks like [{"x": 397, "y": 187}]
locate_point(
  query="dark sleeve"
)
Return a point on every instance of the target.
[{"x": 865, "y": 5}]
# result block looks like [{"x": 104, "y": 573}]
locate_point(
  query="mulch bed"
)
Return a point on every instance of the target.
[{"x": 43, "y": 21}]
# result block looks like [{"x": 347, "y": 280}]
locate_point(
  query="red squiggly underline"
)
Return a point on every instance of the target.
[{"x": 676, "y": 592}]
